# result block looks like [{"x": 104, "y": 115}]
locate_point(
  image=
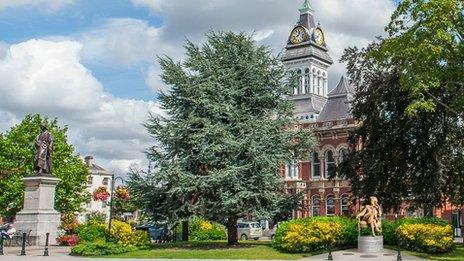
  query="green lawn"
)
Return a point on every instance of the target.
[
  {"x": 456, "y": 255},
  {"x": 212, "y": 250}
]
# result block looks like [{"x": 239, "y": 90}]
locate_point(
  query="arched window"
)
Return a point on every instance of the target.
[
  {"x": 316, "y": 166},
  {"x": 306, "y": 81},
  {"x": 330, "y": 205},
  {"x": 343, "y": 155},
  {"x": 315, "y": 205},
  {"x": 329, "y": 164},
  {"x": 300, "y": 81},
  {"x": 292, "y": 170},
  {"x": 344, "y": 202}
]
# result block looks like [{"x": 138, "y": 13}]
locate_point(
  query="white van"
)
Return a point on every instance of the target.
[{"x": 249, "y": 230}]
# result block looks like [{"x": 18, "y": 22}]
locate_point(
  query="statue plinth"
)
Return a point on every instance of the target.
[
  {"x": 370, "y": 244},
  {"x": 38, "y": 214}
]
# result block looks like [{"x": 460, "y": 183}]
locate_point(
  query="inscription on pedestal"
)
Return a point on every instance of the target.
[{"x": 370, "y": 244}]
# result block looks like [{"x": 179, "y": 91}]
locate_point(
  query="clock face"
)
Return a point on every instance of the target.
[
  {"x": 319, "y": 36},
  {"x": 298, "y": 35}
]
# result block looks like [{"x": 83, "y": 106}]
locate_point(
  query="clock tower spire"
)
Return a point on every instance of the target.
[{"x": 307, "y": 55}]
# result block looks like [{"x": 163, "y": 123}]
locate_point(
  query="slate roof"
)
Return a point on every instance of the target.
[
  {"x": 305, "y": 103},
  {"x": 309, "y": 50},
  {"x": 338, "y": 105}
]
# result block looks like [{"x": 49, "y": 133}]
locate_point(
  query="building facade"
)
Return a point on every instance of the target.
[
  {"x": 98, "y": 177},
  {"x": 326, "y": 113}
]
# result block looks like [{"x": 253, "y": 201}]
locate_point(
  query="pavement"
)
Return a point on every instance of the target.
[{"x": 62, "y": 254}]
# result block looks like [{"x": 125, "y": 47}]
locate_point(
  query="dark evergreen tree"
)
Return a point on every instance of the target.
[{"x": 228, "y": 128}]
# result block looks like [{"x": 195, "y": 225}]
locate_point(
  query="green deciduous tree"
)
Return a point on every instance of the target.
[
  {"x": 16, "y": 161},
  {"x": 426, "y": 45},
  {"x": 227, "y": 131},
  {"x": 403, "y": 158}
]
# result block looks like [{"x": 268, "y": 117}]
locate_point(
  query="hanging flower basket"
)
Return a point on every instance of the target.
[
  {"x": 101, "y": 194},
  {"x": 122, "y": 193}
]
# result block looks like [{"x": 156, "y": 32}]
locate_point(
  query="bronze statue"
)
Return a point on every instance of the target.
[
  {"x": 43, "y": 152},
  {"x": 370, "y": 215}
]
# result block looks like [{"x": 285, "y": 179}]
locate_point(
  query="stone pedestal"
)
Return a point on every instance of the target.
[
  {"x": 38, "y": 214},
  {"x": 370, "y": 244}
]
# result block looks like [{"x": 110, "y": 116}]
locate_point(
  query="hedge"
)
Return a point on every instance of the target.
[{"x": 425, "y": 235}]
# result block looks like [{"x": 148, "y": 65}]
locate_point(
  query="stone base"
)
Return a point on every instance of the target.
[
  {"x": 39, "y": 223},
  {"x": 370, "y": 244},
  {"x": 38, "y": 214}
]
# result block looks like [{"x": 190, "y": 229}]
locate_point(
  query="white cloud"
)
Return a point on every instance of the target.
[
  {"x": 49, "y": 5},
  {"x": 346, "y": 22},
  {"x": 46, "y": 77}
]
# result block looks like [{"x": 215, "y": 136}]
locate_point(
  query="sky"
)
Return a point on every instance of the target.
[{"x": 92, "y": 64}]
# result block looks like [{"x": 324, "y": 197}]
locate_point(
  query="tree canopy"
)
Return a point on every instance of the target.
[
  {"x": 17, "y": 158},
  {"x": 426, "y": 44},
  {"x": 228, "y": 128},
  {"x": 409, "y": 105}
]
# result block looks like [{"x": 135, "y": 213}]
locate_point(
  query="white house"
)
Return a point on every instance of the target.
[{"x": 98, "y": 177}]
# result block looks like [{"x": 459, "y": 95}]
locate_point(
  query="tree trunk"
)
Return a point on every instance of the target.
[
  {"x": 185, "y": 230},
  {"x": 232, "y": 236},
  {"x": 428, "y": 210}
]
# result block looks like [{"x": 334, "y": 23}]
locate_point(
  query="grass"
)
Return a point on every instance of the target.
[
  {"x": 212, "y": 250},
  {"x": 456, "y": 255}
]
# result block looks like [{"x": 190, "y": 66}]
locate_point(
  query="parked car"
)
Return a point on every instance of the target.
[
  {"x": 249, "y": 230},
  {"x": 159, "y": 232}
]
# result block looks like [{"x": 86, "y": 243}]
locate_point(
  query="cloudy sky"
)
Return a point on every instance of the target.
[{"x": 92, "y": 63}]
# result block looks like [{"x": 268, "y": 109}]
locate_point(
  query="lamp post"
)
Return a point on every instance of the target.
[{"x": 113, "y": 179}]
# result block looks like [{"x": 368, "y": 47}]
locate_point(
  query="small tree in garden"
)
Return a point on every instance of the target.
[
  {"x": 227, "y": 131},
  {"x": 16, "y": 161}
]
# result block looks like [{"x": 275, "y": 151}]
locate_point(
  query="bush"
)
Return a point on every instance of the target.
[
  {"x": 202, "y": 230},
  {"x": 124, "y": 235},
  {"x": 92, "y": 231},
  {"x": 425, "y": 235},
  {"x": 312, "y": 234},
  {"x": 100, "y": 249},
  {"x": 426, "y": 238}
]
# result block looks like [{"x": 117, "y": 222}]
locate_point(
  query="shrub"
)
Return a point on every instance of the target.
[
  {"x": 93, "y": 231},
  {"x": 203, "y": 230},
  {"x": 68, "y": 240},
  {"x": 100, "y": 249},
  {"x": 426, "y": 238},
  {"x": 391, "y": 232},
  {"x": 96, "y": 216},
  {"x": 124, "y": 235},
  {"x": 311, "y": 234}
]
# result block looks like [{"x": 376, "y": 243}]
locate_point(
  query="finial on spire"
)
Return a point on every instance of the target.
[{"x": 305, "y": 7}]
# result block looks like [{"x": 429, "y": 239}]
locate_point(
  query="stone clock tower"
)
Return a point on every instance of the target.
[{"x": 306, "y": 54}]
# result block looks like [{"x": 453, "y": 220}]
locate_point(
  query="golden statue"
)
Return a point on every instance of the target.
[{"x": 370, "y": 215}]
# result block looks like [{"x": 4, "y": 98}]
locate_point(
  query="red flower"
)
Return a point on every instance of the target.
[{"x": 101, "y": 194}]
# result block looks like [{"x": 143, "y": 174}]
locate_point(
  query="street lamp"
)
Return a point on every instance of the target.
[{"x": 113, "y": 179}]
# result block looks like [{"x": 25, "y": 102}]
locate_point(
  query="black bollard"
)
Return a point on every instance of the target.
[
  {"x": 23, "y": 249},
  {"x": 46, "y": 244},
  {"x": 398, "y": 256},
  {"x": 1, "y": 245},
  {"x": 330, "y": 254}
]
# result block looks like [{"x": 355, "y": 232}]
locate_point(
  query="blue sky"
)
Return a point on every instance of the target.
[
  {"x": 22, "y": 23},
  {"x": 91, "y": 63}
]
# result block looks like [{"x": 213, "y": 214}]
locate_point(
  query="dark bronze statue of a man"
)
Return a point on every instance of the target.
[{"x": 43, "y": 152}]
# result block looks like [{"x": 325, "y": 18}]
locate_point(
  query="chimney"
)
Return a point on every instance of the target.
[{"x": 89, "y": 161}]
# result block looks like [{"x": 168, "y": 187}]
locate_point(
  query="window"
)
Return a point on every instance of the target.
[
  {"x": 306, "y": 81},
  {"x": 330, "y": 205},
  {"x": 316, "y": 169},
  {"x": 90, "y": 180},
  {"x": 344, "y": 205},
  {"x": 106, "y": 181},
  {"x": 329, "y": 164},
  {"x": 104, "y": 204},
  {"x": 343, "y": 155},
  {"x": 315, "y": 202},
  {"x": 300, "y": 82},
  {"x": 292, "y": 170}
]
